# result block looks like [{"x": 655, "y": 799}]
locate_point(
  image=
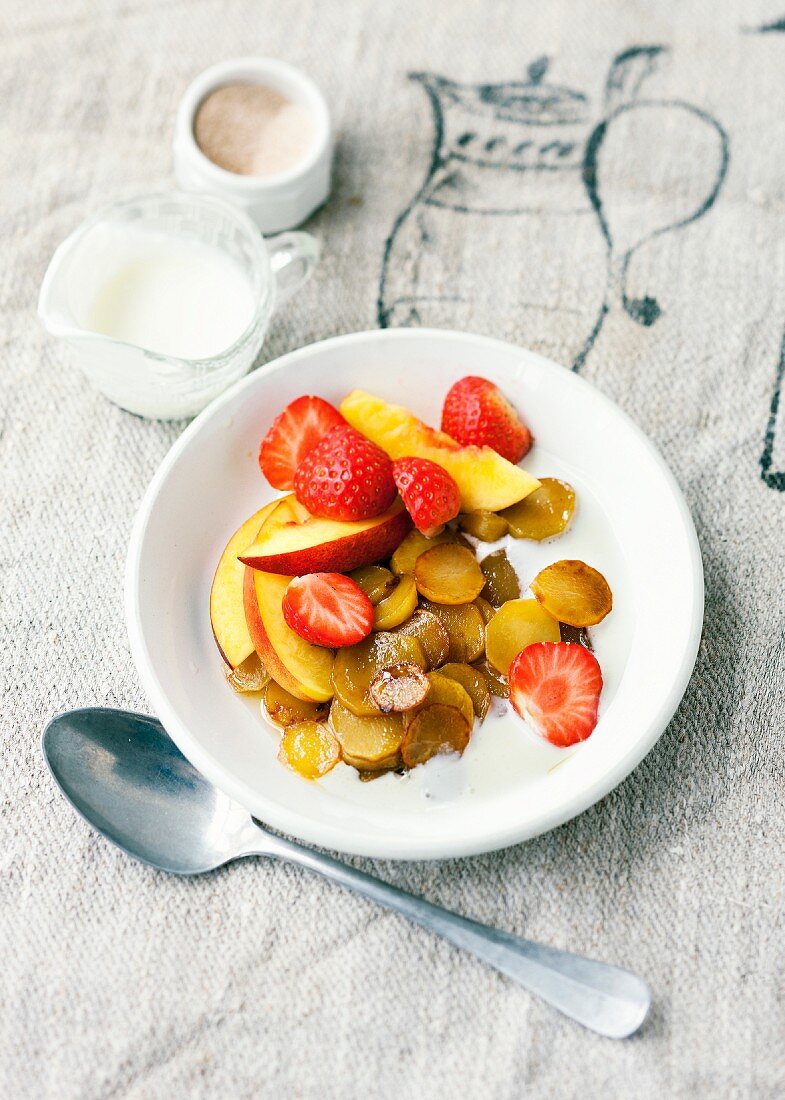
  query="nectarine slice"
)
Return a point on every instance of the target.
[
  {"x": 292, "y": 542},
  {"x": 227, "y": 616},
  {"x": 487, "y": 481},
  {"x": 303, "y": 669}
]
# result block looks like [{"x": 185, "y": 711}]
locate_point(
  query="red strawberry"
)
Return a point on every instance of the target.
[
  {"x": 556, "y": 686},
  {"x": 430, "y": 494},
  {"x": 345, "y": 477},
  {"x": 476, "y": 411},
  {"x": 328, "y": 609},
  {"x": 293, "y": 434}
]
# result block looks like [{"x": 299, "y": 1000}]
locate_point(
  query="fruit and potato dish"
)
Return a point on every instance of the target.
[{"x": 364, "y": 607}]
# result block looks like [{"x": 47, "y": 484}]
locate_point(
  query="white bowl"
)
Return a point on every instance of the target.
[{"x": 210, "y": 482}]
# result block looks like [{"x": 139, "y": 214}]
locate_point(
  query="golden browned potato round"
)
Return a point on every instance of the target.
[
  {"x": 437, "y": 729},
  {"x": 515, "y": 626},
  {"x": 415, "y": 544},
  {"x": 355, "y": 667},
  {"x": 573, "y": 592},
  {"x": 310, "y": 749},
  {"x": 488, "y": 526},
  {"x": 398, "y": 606},
  {"x": 474, "y": 683},
  {"x": 501, "y": 580},
  {"x": 449, "y": 574},
  {"x": 285, "y": 710},
  {"x": 367, "y": 743},
  {"x": 544, "y": 513},
  {"x": 375, "y": 581},
  {"x": 465, "y": 627},
  {"x": 248, "y": 677},
  {"x": 432, "y": 635}
]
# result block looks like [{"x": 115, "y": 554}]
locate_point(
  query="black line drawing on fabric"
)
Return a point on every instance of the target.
[
  {"x": 510, "y": 162},
  {"x": 774, "y": 436},
  {"x": 772, "y": 459},
  {"x": 777, "y": 25}
]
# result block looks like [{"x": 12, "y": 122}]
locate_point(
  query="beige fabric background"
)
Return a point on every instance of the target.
[{"x": 263, "y": 981}]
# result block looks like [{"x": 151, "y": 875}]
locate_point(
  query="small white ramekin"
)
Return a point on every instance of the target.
[{"x": 282, "y": 201}]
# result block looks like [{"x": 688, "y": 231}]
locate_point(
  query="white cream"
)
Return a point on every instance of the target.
[{"x": 163, "y": 292}]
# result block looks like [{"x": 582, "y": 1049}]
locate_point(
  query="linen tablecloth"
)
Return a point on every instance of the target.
[{"x": 600, "y": 181}]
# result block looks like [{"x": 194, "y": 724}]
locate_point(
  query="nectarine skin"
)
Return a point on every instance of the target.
[{"x": 330, "y": 551}]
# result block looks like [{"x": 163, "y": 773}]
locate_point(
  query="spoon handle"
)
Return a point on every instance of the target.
[{"x": 604, "y": 998}]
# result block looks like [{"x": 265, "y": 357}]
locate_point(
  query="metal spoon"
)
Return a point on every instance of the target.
[{"x": 122, "y": 773}]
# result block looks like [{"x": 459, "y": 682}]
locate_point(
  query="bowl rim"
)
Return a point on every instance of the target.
[{"x": 411, "y": 848}]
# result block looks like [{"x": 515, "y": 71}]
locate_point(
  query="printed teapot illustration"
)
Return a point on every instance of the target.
[{"x": 535, "y": 204}]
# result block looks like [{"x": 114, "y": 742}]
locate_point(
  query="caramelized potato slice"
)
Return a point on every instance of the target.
[
  {"x": 577, "y": 635},
  {"x": 399, "y": 606},
  {"x": 488, "y": 526},
  {"x": 486, "y": 610},
  {"x": 399, "y": 688},
  {"x": 573, "y": 592},
  {"x": 435, "y": 730},
  {"x": 250, "y": 676},
  {"x": 375, "y": 581},
  {"x": 516, "y": 625},
  {"x": 465, "y": 627},
  {"x": 432, "y": 635},
  {"x": 415, "y": 544},
  {"x": 310, "y": 749},
  {"x": 544, "y": 513},
  {"x": 501, "y": 580},
  {"x": 367, "y": 743},
  {"x": 449, "y": 574},
  {"x": 355, "y": 667},
  {"x": 284, "y": 709},
  {"x": 474, "y": 683},
  {"x": 497, "y": 684},
  {"x": 446, "y": 691}
]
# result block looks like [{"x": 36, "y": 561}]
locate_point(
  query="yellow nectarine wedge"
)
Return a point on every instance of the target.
[
  {"x": 227, "y": 614},
  {"x": 304, "y": 670},
  {"x": 293, "y": 542},
  {"x": 487, "y": 481}
]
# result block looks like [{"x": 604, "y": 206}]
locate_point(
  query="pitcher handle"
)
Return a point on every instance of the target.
[{"x": 293, "y": 256}]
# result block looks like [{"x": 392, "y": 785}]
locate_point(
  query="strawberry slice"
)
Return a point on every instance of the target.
[
  {"x": 294, "y": 433},
  {"x": 476, "y": 412},
  {"x": 328, "y": 609},
  {"x": 345, "y": 476},
  {"x": 556, "y": 687},
  {"x": 431, "y": 496}
]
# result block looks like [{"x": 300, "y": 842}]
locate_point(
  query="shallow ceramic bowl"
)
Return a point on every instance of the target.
[{"x": 210, "y": 482}]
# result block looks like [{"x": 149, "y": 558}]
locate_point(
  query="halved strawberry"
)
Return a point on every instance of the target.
[
  {"x": 293, "y": 433},
  {"x": 556, "y": 687},
  {"x": 476, "y": 412},
  {"x": 328, "y": 609},
  {"x": 431, "y": 496},
  {"x": 345, "y": 476}
]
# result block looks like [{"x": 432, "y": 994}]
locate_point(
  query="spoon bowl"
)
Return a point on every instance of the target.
[{"x": 122, "y": 773}]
